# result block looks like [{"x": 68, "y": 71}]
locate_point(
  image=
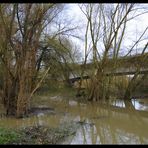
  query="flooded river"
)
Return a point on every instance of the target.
[{"x": 116, "y": 122}]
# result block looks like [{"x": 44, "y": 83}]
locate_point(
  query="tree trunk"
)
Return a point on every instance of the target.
[{"x": 10, "y": 97}]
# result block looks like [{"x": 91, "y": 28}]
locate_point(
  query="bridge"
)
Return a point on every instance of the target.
[{"x": 125, "y": 66}]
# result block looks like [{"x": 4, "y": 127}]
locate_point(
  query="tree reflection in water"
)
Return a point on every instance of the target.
[{"x": 112, "y": 124}]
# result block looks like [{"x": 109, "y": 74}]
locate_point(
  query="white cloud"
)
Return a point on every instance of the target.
[{"x": 137, "y": 25}]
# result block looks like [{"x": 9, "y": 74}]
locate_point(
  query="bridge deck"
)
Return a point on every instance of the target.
[{"x": 110, "y": 74}]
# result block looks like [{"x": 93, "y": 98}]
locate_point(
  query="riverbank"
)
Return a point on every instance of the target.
[
  {"x": 57, "y": 117},
  {"x": 40, "y": 134},
  {"x": 37, "y": 134}
]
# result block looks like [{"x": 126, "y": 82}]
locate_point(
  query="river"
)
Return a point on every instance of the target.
[{"x": 115, "y": 122}]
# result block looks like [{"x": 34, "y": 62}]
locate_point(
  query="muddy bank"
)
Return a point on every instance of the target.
[{"x": 45, "y": 135}]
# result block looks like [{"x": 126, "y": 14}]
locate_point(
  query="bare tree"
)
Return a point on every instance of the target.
[
  {"x": 106, "y": 29},
  {"x": 22, "y": 26}
]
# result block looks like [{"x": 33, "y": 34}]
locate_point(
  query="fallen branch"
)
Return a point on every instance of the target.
[
  {"x": 39, "y": 83},
  {"x": 37, "y": 86}
]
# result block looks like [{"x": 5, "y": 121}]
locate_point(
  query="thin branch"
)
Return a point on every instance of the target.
[
  {"x": 136, "y": 42},
  {"x": 18, "y": 19}
]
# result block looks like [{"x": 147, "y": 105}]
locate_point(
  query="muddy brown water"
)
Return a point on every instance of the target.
[{"x": 112, "y": 123}]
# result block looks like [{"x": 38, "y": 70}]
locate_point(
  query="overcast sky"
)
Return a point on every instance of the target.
[{"x": 137, "y": 25}]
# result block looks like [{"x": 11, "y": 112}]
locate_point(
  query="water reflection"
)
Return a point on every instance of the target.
[
  {"x": 116, "y": 122},
  {"x": 111, "y": 124}
]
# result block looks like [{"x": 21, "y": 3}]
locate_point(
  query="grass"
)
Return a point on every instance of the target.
[
  {"x": 41, "y": 134},
  {"x": 37, "y": 134},
  {"x": 8, "y": 136}
]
